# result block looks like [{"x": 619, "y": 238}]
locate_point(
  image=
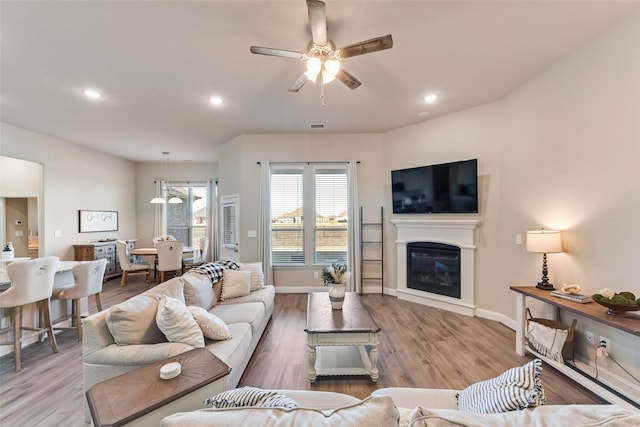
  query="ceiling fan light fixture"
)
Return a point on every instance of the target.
[
  {"x": 314, "y": 65},
  {"x": 312, "y": 77},
  {"x": 332, "y": 66},
  {"x": 327, "y": 77}
]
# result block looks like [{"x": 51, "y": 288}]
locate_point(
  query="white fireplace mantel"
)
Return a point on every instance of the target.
[{"x": 455, "y": 232}]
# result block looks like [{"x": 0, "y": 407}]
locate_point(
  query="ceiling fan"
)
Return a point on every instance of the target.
[{"x": 322, "y": 57}]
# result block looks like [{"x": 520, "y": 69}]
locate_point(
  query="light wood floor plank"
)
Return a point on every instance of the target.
[{"x": 419, "y": 347}]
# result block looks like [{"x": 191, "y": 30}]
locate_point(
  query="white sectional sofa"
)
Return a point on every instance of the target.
[
  {"x": 393, "y": 407},
  {"x": 126, "y": 337}
]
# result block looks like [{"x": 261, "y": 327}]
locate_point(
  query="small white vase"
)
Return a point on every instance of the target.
[{"x": 336, "y": 295}]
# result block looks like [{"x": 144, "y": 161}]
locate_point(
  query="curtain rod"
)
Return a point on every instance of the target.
[{"x": 309, "y": 163}]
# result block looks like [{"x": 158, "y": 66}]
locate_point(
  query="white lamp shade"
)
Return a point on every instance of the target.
[
  {"x": 175, "y": 200},
  {"x": 157, "y": 200},
  {"x": 544, "y": 241}
]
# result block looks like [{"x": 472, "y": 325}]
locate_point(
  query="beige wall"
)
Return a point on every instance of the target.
[{"x": 75, "y": 178}]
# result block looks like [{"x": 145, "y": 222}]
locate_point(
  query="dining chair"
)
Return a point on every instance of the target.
[
  {"x": 31, "y": 282},
  {"x": 130, "y": 268},
  {"x": 169, "y": 257},
  {"x": 88, "y": 278},
  {"x": 194, "y": 262}
]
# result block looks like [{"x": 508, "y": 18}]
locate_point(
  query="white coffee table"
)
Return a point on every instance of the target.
[{"x": 341, "y": 342}]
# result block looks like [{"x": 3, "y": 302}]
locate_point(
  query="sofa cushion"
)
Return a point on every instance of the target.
[
  {"x": 211, "y": 325},
  {"x": 250, "y": 396},
  {"x": 251, "y": 313},
  {"x": 134, "y": 321},
  {"x": 517, "y": 388},
  {"x": 233, "y": 351},
  {"x": 257, "y": 276},
  {"x": 198, "y": 291},
  {"x": 376, "y": 411},
  {"x": 176, "y": 322},
  {"x": 235, "y": 283},
  {"x": 173, "y": 288},
  {"x": 265, "y": 295}
]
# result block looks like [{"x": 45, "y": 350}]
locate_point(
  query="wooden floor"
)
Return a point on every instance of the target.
[{"x": 419, "y": 347}]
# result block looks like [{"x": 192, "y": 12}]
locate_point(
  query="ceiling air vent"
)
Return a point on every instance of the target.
[{"x": 316, "y": 126}]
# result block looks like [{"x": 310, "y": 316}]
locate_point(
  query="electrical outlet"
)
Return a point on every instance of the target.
[
  {"x": 590, "y": 337},
  {"x": 606, "y": 343},
  {"x": 316, "y": 275}
]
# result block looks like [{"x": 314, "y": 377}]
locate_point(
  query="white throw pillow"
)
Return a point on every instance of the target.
[
  {"x": 517, "y": 388},
  {"x": 235, "y": 283},
  {"x": 257, "y": 276},
  {"x": 176, "y": 322},
  {"x": 211, "y": 325}
]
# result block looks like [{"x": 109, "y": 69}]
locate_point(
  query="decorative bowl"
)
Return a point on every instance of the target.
[{"x": 618, "y": 309}]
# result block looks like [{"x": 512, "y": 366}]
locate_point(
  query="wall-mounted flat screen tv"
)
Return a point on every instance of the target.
[{"x": 444, "y": 188}]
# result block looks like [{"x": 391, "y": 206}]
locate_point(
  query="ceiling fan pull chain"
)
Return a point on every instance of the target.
[{"x": 321, "y": 77}]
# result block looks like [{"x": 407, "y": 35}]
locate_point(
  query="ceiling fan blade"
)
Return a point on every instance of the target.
[
  {"x": 348, "y": 79},
  {"x": 318, "y": 21},
  {"x": 277, "y": 52},
  {"x": 367, "y": 46},
  {"x": 297, "y": 85}
]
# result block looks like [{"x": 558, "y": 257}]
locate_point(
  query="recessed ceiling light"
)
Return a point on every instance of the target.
[
  {"x": 215, "y": 100},
  {"x": 431, "y": 98},
  {"x": 93, "y": 94}
]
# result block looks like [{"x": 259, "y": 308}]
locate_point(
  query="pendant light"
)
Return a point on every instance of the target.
[{"x": 160, "y": 199}]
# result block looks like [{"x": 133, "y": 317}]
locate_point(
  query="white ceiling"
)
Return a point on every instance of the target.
[{"x": 158, "y": 62}]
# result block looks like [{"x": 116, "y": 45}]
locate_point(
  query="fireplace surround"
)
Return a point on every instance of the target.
[{"x": 452, "y": 232}]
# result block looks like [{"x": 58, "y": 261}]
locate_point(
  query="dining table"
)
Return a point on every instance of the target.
[{"x": 194, "y": 250}]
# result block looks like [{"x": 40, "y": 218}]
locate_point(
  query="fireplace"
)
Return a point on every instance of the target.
[
  {"x": 434, "y": 267},
  {"x": 438, "y": 267}
]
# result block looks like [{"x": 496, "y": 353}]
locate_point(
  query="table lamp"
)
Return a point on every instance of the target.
[{"x": 544, "y": 242}]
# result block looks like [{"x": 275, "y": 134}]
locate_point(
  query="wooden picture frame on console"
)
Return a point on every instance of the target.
[{"x": 94, "y": 221}]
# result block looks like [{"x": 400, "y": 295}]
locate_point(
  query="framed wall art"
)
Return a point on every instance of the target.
[{"x": 94, "y": 221}]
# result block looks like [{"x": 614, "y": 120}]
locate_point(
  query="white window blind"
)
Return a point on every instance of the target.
[
  {"x": 331, "y": 219},
  {"x": 287, "y": 215},
  {"x": 229, "y": 225},
  {"x": 319, "y": 194}
]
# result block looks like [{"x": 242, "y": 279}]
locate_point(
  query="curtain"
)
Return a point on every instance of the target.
[
  {"x": 159, "y": 220},
  {"x": 354, "y": 228},
  {"x": 264, "y": 222},
  {"x": 212, "y": 220}
]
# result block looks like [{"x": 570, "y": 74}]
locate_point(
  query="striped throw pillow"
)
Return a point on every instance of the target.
[
  {"x": 250, "y": 396},
  {"x": 515, "y": 389}
]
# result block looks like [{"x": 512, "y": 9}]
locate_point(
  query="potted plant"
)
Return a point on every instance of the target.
[{"x": 336, "y": 276}]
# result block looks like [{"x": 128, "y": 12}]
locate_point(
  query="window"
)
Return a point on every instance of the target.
[
  {"x": 309, "y": 191},
  {"x": 187, "y": 221},
  {"x": 229, "y": 221}
]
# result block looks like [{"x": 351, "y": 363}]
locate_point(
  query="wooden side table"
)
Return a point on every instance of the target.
[{"x": 142, "y": 398}]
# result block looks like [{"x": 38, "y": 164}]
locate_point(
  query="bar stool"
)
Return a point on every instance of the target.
[
  {"x": 31, "y": 281},
  {"x": 88, "y": 278}
]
